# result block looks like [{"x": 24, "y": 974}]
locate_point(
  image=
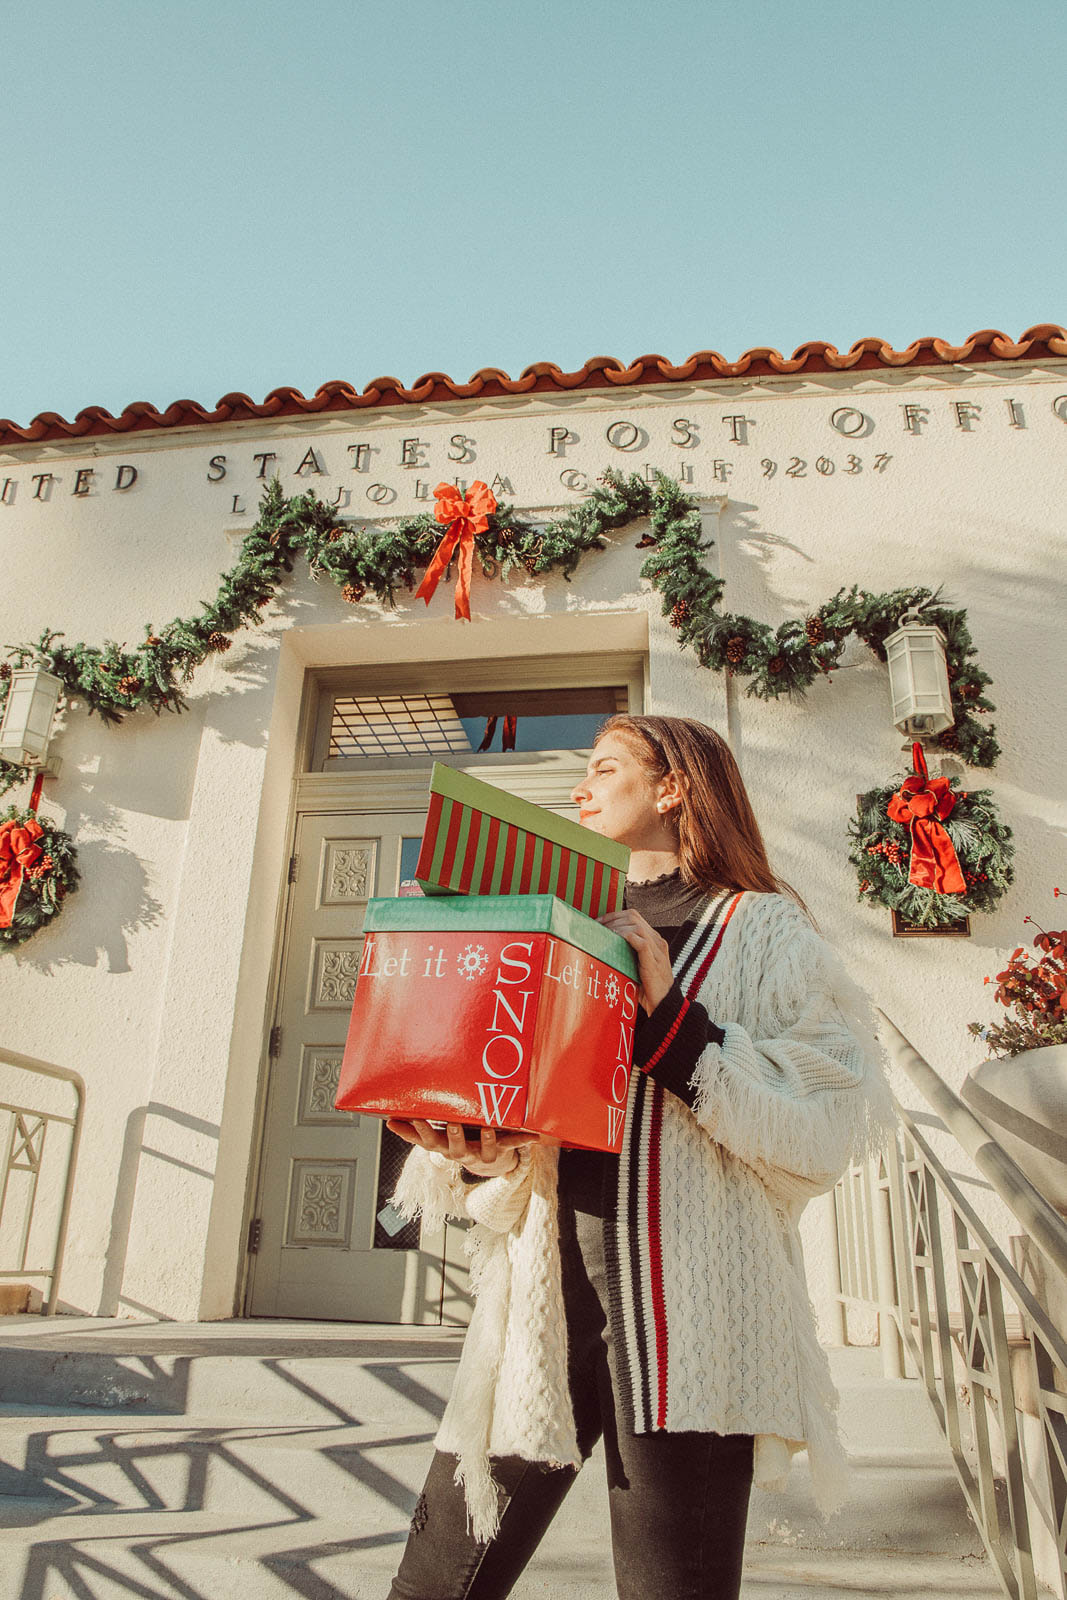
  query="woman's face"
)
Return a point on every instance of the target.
[{"x": 618, "y": 798}]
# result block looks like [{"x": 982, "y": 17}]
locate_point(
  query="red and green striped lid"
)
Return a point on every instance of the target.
[{"x": 479, "y": 840}]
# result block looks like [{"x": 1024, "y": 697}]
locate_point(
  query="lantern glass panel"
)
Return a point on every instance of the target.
[
  {"x": 918, "y": 680},
  {"x": 28, "y": 715}
]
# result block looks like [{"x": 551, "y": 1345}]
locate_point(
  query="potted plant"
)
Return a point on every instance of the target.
[{"x": 1021, "y": 1092}]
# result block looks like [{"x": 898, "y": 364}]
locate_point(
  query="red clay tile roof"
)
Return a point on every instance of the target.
[{"x": 1042, "y": 341}]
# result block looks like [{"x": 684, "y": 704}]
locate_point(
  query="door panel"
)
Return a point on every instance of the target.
[{"x": 321, "y": 1254}]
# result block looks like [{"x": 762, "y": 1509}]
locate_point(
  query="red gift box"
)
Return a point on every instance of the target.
[
  {"x": 506, "y": 1011},
  {"x": 479, "y": 839}
]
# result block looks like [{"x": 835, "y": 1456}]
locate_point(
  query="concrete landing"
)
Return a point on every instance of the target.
[{"x": 282, "y": 1460}]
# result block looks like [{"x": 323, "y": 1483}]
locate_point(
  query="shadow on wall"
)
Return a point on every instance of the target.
[
  {"x": 112, "y": 902},
  {"x": 112, "y": 1301}
]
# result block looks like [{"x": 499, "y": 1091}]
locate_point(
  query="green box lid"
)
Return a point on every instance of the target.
[
  {"x": 468, "y": 791},
  {"x": 501, "y": 913}
]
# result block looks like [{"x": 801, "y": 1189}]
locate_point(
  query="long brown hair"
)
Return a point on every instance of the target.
[{"x": 719, "y": 841}]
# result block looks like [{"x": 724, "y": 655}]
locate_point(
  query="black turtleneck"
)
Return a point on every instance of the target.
[{"x": 673, "y": 909}]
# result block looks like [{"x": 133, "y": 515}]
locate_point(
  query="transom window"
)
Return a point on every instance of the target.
[{"x": 377, "y": 726}]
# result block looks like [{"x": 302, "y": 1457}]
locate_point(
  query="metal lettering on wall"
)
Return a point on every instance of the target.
[{"x": 687, "y": 448}]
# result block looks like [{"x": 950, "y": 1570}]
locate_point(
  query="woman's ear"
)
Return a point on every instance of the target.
[{"x": 668, "y": 794}]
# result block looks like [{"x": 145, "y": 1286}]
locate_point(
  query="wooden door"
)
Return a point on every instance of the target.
[{"x": 329, "y": 1245}]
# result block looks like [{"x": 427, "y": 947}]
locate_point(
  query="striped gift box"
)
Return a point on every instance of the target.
[{"x": 480, "y": 840}]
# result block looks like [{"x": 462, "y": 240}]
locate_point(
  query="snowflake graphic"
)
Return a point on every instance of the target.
[
  {"x": 472, "y": 962},
  {"x": 612, "y": 990}
]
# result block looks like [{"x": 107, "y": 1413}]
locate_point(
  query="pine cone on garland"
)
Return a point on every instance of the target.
[
  {"x": 815, "y": 628},
  {"x": 949, "y": 740},
  {"x": 335, "y": 534},
  {"x": 505, "y": 537},
  {"x": 5, "y": 671},
  {"x": 735, "y": 649},
  {"x": 153, "y": 641},
  {"x": 219, "y": 641},
  {"x": 646, "y": 540},
  {"x": 776, "y": 664},
  {"x": 353, "y": 592},
  {"x": 680, "y": 613},
  {"x": 530, "y": 563},
  {"x": 129, "y": 684}
]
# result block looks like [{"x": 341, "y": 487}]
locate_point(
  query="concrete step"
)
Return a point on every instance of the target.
[
  {"x": 231, "y": 1371},
  {"x": 84, "y": 1464},
  {"x": 301, "y": 1475}
]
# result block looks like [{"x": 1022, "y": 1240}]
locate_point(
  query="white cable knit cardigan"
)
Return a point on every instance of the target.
[{"x": 709, "y": 1305}]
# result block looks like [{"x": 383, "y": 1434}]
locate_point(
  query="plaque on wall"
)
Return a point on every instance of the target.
[{"x": 903, "y": 929}]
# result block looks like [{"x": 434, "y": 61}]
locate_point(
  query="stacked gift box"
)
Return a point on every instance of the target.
[{"x": 496, "y": 999}]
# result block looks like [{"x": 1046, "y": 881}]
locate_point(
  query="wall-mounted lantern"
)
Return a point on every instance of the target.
[
  {"x": 29, "y": 712},
  {"x": 918, "y": 677}
]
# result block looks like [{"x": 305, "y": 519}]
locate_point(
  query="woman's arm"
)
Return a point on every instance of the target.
[{"x": 797, "y": 1094}]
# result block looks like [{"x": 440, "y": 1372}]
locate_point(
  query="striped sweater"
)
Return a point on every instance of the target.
[{"x": 709, "y": 1306}]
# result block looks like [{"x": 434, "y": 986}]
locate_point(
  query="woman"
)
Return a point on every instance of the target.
[{"x": 656, "y": 1297}]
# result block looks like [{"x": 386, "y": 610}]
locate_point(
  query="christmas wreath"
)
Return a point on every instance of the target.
[
  {"x": 930, "y": 850},
  {"x": 37, "y": 872},
  {"x": 113, "y": 680}
]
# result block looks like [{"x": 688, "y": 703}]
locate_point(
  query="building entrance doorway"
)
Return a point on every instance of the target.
[{"x": 324, "y": 1241}]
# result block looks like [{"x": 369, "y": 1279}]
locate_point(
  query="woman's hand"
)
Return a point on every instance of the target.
[
  {"x": 653, "y": 956},
  {"x": 494, "y": 1156}
]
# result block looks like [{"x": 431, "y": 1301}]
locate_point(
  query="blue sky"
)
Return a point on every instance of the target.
[{"x": 207, "y": 197}]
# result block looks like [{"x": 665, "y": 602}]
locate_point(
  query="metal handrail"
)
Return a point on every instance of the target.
[
  {"x": 908, "y": 1242},
  {"x": 48, "y": 1069},
  {"x": 1041, "y": 1220}
]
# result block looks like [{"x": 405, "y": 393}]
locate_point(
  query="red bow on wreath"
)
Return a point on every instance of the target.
[
  {"x": 463, "y": 517},
  {"x": 18, "y": 850},
  {"x": 922, "y": 803}
]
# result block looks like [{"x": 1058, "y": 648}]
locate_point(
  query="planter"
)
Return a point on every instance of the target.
[{"x": 1023, "y": 1102}]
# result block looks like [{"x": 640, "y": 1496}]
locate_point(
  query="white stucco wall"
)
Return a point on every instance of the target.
[{"x": 153, "y": 982}]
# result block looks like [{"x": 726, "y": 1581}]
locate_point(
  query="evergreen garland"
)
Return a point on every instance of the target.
[
  {"x": 112, "y": 680},
  {"x": 46, "y": 884},
  {"x": 881, "y": 855}
]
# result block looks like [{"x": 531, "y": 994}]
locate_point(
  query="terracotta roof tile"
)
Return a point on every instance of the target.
[{"x": 1042, "y": 341}]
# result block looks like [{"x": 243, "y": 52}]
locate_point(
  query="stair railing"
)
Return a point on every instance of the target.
[
  {"x": 25, "y": 1140},
  {"x": 910, "y": 1246}
]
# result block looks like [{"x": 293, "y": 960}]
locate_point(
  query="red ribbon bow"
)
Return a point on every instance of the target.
[
  {"x": 922, "y": 803},
  {"x": 463, "y": 517},
  {"x": 18, "y": 850}
]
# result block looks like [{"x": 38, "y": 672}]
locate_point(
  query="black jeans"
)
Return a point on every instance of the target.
[{"x": 678, "y": 1501}]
